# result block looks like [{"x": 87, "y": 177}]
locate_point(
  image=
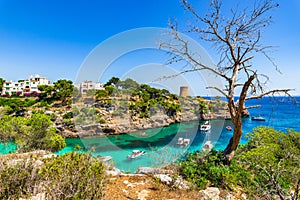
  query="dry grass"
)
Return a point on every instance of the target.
[{"x": 144, "y": 187}]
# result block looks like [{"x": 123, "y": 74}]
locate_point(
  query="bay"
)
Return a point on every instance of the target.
[{"x": 161, "y": 146}]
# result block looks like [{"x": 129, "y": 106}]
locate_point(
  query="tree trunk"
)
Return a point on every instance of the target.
[{"x": 234, "y": 141}]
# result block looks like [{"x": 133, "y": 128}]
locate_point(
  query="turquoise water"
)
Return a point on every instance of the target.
[
  {"x": 6, "y": 148},
  {"x": 161, "y": 143}
]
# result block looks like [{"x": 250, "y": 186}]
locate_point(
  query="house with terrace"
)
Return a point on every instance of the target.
[{"x": 24, "y": 87}]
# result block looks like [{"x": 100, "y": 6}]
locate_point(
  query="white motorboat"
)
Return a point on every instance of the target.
[
  {"x": 180, "y": 141},
  {"x": 136, "y": 154},
  {"x": 183, "y": 141},
  {"x": 208, "y": 146},
  {"x": 186, "y": 141},
  {"x": 258, "y": 118},
  {"x": 205, "y": 127}
]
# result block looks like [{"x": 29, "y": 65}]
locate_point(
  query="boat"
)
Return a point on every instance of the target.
[
  {"x": 208, "y": 146},
  {"x": 180, "y": 141},
  {"x": 183, "y": 141},
  {"x": 136, "y": 154},
  {"x": 228, "y": 128},
  {"x": 258, "y": 118},
  {"x": 186, "y": 141},
  {"x": 205, "y": 127}
]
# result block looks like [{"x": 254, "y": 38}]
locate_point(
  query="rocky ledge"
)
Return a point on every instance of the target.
[{"x": 126, "y": 123}]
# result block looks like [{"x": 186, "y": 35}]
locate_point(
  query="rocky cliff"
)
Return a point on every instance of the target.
[{"x": 126, "y": 122}]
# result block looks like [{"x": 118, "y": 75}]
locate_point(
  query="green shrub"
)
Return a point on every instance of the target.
[
  {"x": 53, "y": 117},
  {"x": 68, "y": 115},
  {"x": 207, "y": 169},
  {"x": 274, "y": 158},
  {"x": 18, "y": 180},
  {"x": 31, "y": 133},
  {"x": 102, "y": 121},
  {"x": 70, "y": 176},
  {"x": 73, "y": 176}
]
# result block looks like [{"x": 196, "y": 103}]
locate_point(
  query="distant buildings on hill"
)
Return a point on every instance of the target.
[
  {"x": 30, "y": 86},
  {"x": 89, "y": 85},
  {"x": 24, "y": 87}
]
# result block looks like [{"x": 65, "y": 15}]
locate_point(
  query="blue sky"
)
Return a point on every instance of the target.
[{"x": 53, "y": 38}]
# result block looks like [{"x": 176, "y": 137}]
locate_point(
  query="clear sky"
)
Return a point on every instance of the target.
[{"x": 53, "y": 38}]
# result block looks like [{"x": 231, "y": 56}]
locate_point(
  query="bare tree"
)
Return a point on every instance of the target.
[{"x": 237, "y": 40}]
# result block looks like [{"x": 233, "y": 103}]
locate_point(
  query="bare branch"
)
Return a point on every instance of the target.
[
  {"x": 279, "y": 91},
  {"x": 219, "y": 90}
]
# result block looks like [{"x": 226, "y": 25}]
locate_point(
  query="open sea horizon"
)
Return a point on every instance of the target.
[{"x": 160, "y": 144}]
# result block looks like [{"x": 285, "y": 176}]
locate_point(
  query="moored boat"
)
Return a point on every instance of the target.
[
  {"x": 208, "y": 146},
  {"x": 205, "y": 127},
  {"x": 228, "y": 128},
  {"x": 183, "y": 141},
  {"x": 180, "y": 141},
  {"x": 186, "y": 141},
  {"x": 136, "y": 154},
  {"x": 258, "y": 118}
]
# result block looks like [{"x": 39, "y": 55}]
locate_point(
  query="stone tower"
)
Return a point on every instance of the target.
[{"x": 184, "y": 91}]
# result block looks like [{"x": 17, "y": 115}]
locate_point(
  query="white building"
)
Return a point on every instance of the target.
[
  {"x": 89, "y": 85},
  {"x": 26, "y": 87},
  {"x": 40, "y": 80}
]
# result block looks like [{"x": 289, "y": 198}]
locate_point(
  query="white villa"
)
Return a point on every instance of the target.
[
  {"x": 89, "y": 85},
  {"x": 25, "y": 87}
]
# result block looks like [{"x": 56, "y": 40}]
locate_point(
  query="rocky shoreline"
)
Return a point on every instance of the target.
[{"x": 126, "y": 123}]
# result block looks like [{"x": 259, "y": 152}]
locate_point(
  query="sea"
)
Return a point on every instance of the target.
[{"x": 160, "y": 144}]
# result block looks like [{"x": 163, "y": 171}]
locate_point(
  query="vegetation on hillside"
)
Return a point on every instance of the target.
[
  {"x": 1, "y": 83},
  {"x": 70, "y": 176},
  {"x": 268, "y": 165},
  {"x": 33, "y": 133},
  {"x": 142, "y": 100}
]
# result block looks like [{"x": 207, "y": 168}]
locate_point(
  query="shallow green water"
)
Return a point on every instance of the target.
[
  {"x": 160, "y": 145},
  {"x": 7, "y": 148}
]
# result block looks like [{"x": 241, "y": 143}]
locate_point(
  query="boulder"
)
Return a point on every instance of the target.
[
  {"x": 147, "y": 170},
  {"x": 210, "y": 193},
  {"x": 181, "y": 184},
  {"x": 113, "y": 172},
  {"x": 150, "y": 170},
  {"x": 164, "y": 178}
]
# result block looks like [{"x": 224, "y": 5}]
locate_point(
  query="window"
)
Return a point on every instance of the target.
[
  {"x": 7, "y": 84},
  {"x": 27, "y": 82},
  {"x": 16, "y": 84},
  {"x": 7, "y": 88}
]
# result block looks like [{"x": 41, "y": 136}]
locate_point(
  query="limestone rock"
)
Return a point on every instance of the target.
[
  {"x": 150, "y": 170},
  {"x": 147, "y": 170},
  {"x": 211, "y": 193},
  {"x": 113, "y": 172},
  {"x": 164, "y": 178},
  {"x": 181, "y": 184}
]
